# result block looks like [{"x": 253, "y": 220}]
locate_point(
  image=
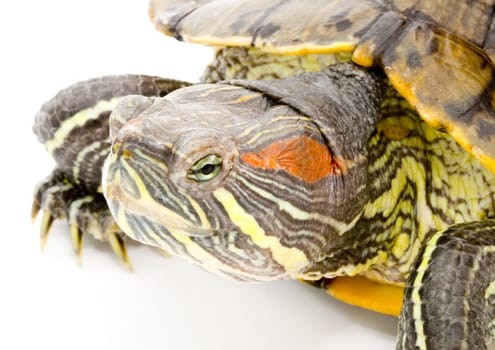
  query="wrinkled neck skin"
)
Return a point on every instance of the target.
[
  {"x": 343, "y": 101},
  {"x": 387, "y": 205},
  {"x": 347, "y": 134}
]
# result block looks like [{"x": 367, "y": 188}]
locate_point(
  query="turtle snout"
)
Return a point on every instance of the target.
[{"x": 128, "y": 111}]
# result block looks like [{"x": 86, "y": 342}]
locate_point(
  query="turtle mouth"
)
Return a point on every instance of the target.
[
  {"x": 129, "y": 199},
  {"x": 119, "y": 202},
  {"x": 122, "y": 200}
]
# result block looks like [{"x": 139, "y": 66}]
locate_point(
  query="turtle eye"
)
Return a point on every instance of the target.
[{"x": 205, "y": 169}]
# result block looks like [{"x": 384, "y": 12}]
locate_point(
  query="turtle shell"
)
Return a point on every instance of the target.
[{"x": 437, "y": 54}]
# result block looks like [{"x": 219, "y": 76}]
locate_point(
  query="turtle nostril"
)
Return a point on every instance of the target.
[
  {"x": 116, "y": 146},
  {"x": 120, "y": 151},
  {"x": 126, "y": 154}
]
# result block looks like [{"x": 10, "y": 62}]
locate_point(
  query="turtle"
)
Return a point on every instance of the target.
[{"x": 348, "y": 144}]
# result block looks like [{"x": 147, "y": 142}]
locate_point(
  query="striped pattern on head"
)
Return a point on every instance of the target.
[{"x": 227, "y": 178}]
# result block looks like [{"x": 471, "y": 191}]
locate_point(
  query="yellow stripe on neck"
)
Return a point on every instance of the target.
[{"x": 292, "y": 259}]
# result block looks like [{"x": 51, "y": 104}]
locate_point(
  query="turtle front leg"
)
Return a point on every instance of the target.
[
  {"x": 449, "y": 300},
  {"x": 85, "y": 209},
  {"x": 74, "y": 128}
]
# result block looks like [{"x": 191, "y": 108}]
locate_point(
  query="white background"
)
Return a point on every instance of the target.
[{"x": 46, "y": 300}]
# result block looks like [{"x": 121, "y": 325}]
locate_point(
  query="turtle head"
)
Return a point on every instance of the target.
[{"x": 235, "y": 181}]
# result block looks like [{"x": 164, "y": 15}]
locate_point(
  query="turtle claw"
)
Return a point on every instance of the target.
[
  {"x": 118, "y": 247},
  {"x": 77, "y": 240},
  {"x": 85, "y": 210},
  {"x": 35, "y": 209},
  {"x": 46, "y": 224}
]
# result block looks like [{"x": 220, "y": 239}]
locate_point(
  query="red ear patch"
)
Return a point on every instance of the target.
[{"x": 301, "y": 157}]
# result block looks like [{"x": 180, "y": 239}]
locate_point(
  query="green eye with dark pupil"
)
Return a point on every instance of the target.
[{"x": 205, "y": 169}]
